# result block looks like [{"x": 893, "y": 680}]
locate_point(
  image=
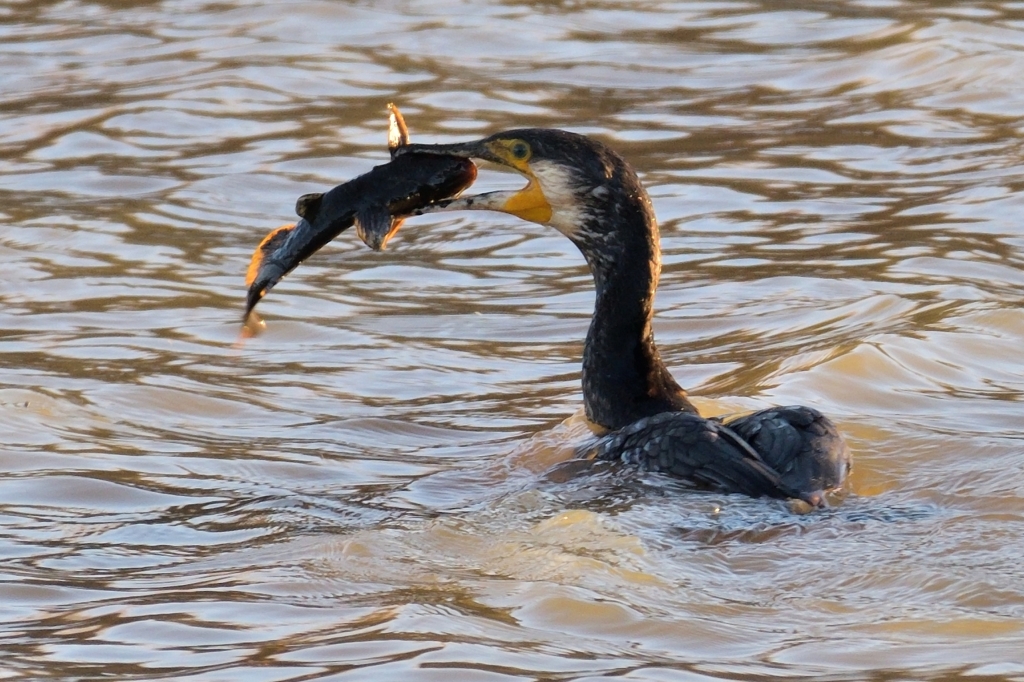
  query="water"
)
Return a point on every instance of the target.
[{"x": 369, "y": 489}]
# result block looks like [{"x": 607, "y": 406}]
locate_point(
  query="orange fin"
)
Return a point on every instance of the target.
[
  {"x": 268, "y": 245},
  {"x": 398, "y": 132}
]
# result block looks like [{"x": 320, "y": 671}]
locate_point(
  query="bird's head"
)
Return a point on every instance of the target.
[{"x": 575, "y": 184}]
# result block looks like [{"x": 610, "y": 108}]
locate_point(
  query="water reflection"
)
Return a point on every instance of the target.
[{"x": 365, "y": 491}]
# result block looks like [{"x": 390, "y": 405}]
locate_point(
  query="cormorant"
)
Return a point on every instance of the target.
[{"x": 590, "y": 194}]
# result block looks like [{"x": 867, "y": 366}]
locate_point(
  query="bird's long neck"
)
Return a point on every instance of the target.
[{"x": 624, "y": 378}]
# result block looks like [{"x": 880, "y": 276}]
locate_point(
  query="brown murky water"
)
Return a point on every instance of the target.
[{"x": 363, "y": 492}]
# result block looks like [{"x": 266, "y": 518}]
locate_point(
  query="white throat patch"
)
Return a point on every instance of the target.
[{"x": 561, "y": 190}]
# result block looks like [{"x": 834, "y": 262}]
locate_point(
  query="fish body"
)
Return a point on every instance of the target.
[{"x": 374, "y": 202}]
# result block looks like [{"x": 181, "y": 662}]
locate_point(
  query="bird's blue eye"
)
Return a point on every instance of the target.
[{"x": 520, "y": 150}]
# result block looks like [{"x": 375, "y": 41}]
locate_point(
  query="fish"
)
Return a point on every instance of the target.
[{"x": 376, "y": 203}]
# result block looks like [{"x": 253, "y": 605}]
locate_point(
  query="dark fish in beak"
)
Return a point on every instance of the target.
[
  {"x": 376, "y": 203},
  {"x": 505, "y": 151}
]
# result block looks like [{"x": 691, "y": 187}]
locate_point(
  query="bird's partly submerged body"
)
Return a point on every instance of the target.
[{"x": 590, "y": 194}]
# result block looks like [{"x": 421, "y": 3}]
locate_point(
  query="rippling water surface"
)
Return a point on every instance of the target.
[{"x": 366, "y": 491}]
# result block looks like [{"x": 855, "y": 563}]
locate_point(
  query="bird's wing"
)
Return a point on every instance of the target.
[{"x": 699, "y": 450}]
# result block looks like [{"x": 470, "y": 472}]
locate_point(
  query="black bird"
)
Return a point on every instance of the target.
[{"x": 589, "y": 193}]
